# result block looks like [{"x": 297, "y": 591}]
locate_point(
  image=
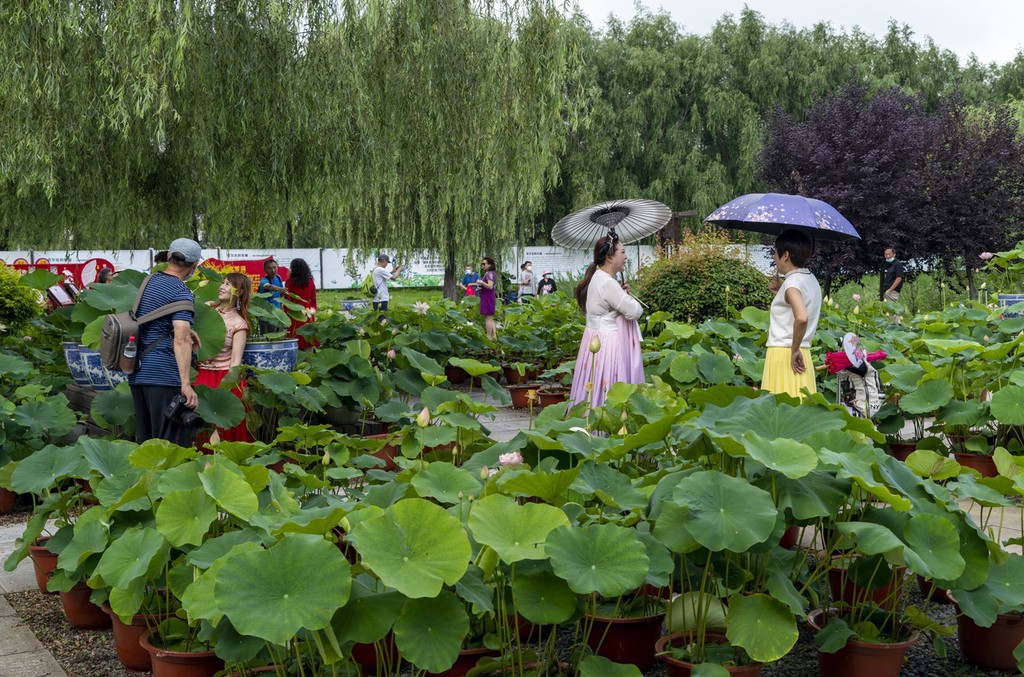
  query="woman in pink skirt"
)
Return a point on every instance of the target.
[{"x": 610, "y": 350}]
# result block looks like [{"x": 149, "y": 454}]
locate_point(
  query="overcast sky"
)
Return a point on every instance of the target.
[{"x": 992, "y": 29}]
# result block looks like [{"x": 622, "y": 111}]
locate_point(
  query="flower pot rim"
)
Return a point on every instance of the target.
[
  {"x": 666, "y": 642},
  {"x": 631, "y": 619},
  {"x": 156, "y": 650}
]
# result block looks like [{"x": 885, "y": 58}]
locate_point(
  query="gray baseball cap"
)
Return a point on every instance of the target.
[{"x": 189, "y": 249}]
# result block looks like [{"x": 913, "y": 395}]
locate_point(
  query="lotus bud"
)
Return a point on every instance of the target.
[
  {"x": 856, "y": 310},
  {"x": 590, "y": 387},
  {"x": 623, "y": 417},
  {"x": 595, "y": 344},
  {"x": 983, "y": 285},
  {"x": 485, "y": 472},
  {"x": 326, "y": 457},
  {"x": 423, "y": 418},
  {"x": 623, "y": 431},
  {"x": 727, "y": 289},
  {"x": 391, "y": 354},
  {"x": 203, "y": 283},
  {"x": 942, "y": 285},
  {"x": 856, "y": 297}
]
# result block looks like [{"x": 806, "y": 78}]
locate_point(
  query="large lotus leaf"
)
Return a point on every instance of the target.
[
  {"x": 762, "y": 625},
  {"x": 927, "y": 463},
  {"x": 446, "y": 483},
  {"x": 51, "y": 416},
  {"x": 818, "y": 494},
  {"x": 46, "y": 466},
  {"x": 1004, "y": 581},
  {"x": 726, "y": 513},
  {"x": 125, "y": 491},
  {"x": 715, "y": 368},
  {"x": 367, "y": 616},
  {"x": 671, "y": 531},
  {"x": 473, "y": 589},
  {"x": 874, "y": 539},
  {"x": 217, "y": 548},
  {"x": 610, "y": 486},
  {"x": 516, "y": 532},
  {"x": 473, "y": 367},
  {"x": 934, "y": 547},
  {"x": 310, "y": 520},
  {"x": 185, "y": 516},
  {"x": 220, "y": 408},
  {"x": 788, "y": 457},
  {"x": 683, "y": 368},
  {"x": 197, "y": 598},
  {"x": 603, "y": 558},
  {"x": 107, "y": 457},
  {"x": 551, "y": 487},
  {"x": 422, "y": 363},
  {"x": 962, "y": 412},
  {"x": 229, "y": 489},
  {"x": 430, "y": 631},
  {"x": 157, "y": 453},
  {"x": 90, "y": 537},
  {"x": 904, "y": 376},
  {"x": 770, "y": 419},
  {"x": 599, "y": 666},
  {"x": 1007, "y": 405},
  {"x": 542, "y": 597},
  {"x": 659, "y": 572},
  {"x": 15, "y": 367},
  {"x": 415, "y": 547},
  {"x": 114, "y": 407},
  {"x": 137, "y": 554},
  {"x": 858, "y": 464},
  {"x": 209, "y": 325},
  {"x": 950, "y": 347},
  {"x": 927, "y": 397},
  {"x": 273, "y": 594}
]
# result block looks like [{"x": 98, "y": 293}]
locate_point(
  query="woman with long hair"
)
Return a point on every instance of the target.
[
  {"x": 302, "y": 290},
  {"x": 610, "y": 350},
  {"x": 487, "y": 286},
  {"x": 793, "y": 318},
  {"x": 233, "y": 305}
]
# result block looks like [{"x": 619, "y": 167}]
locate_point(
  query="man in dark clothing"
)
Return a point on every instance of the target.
[
  {"x": 892, "y": 277},
  {"x": 165, "y": 370},
  {"x": 547, "y": 284}
]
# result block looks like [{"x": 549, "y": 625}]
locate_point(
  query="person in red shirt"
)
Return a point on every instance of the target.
[{"x": 301, "y": 290}]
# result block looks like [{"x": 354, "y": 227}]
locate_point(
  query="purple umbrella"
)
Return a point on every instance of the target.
[{"x": 773, "y": 213}]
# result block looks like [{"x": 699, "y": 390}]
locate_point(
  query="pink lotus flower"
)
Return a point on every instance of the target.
[
  {"x": 985, "y": 256},
  {"x": 391, "y": 354},
  {"x": 856, "y": 297},
  {"x": 511, "y": 459}
]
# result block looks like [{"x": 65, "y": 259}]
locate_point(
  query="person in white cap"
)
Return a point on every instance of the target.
[
  {"x": 546, "y": 284},
  {"x": 165, "y": 348}
]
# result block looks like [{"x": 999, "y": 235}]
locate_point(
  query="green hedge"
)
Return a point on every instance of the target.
[{"x": 695, "y": 289}]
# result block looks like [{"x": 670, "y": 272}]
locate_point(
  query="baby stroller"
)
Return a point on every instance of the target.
[{"x": 858, "y": 386}]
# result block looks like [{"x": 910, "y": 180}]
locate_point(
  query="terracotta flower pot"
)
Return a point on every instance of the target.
[
  {"x": 983, "y": 463},
  {"x": 456, "y": 375},
  {"x": 466, "y": 661},
  {"x": 168, "y": 663},
  {"x": 7, "y": 499},
  {"x": 680, "y": 668},
  {"x": 126, "y": 639},
  {"x": 43, "y": 563},
  {"x": 900, "y": 450},
  {"x": 382, "y": 656},
  {"x": 387, "y": 453},
  {"x": 858, "y": 658},
  {"x": 81, "y": 612},
  {"x": 991, "y": 647},
  {"x": 513, "y": 377},
  {"x": 626, "y": 640},
  {"x": 790, "y": 537},
  {"x": 938, "y": 595},
  {"x": 521, "y": 395},
  {"x": 845, "y": 590},
  {"x": 553, "y": 396}
]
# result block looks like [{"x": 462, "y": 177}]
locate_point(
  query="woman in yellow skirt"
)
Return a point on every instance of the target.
[{"x": 794, "y": 318}]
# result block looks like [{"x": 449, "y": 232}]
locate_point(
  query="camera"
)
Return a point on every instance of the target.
[{"x": 178, "y": 413}]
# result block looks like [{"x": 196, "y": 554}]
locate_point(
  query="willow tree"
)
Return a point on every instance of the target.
[{"x": 449, "y": 117}]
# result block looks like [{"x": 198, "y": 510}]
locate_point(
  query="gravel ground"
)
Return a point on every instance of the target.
[{"x": 90, "y": 653}]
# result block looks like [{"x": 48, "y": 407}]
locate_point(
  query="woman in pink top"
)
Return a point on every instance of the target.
[{"x": 233, "y": 306}]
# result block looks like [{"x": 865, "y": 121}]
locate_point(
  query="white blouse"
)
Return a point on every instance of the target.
[
  {"x": 780, "y": 327},
  {"x": 606, "y": 300}
]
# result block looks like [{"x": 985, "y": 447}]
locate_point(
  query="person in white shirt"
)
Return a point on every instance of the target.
[
  {"x": 610, "y": 350},
  {"x": 793, "y": 318},
  {"x": 381, "y": 277},
  {"x": 526, "y": 287}
]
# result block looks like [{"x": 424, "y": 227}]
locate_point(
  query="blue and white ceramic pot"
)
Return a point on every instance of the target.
[
  {"x": 277, "y": 355},
  {"x": 1006, "y": 300},
  {"x": 100, "y": 377},
  {"x": 72, "y": 355}
]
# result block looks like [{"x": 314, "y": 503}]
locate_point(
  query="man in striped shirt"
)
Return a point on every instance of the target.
[{"x": 165, "y": 371}]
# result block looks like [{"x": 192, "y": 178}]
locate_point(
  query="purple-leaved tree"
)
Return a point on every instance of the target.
[{"x": 864, "y": 155}]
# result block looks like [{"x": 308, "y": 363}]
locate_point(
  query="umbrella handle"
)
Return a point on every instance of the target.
[{"x": 622, "y": 280}]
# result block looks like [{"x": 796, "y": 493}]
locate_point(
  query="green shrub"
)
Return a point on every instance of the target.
[
  {"x": 18, "y": 303},
  {"x": 701, "y": 279}
]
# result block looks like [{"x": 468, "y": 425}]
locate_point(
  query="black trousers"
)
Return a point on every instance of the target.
[{"x": 150, "y": 422}]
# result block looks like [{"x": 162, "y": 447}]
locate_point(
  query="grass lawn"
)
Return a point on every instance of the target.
[{"x": 331, "y": 297}]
